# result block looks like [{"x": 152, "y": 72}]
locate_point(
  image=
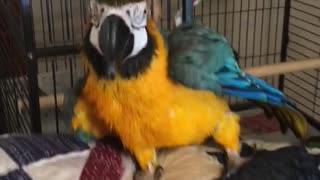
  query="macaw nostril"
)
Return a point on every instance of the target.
[
  {"x": 110, "y": 69},
  {"x": 111, "y": 75}
]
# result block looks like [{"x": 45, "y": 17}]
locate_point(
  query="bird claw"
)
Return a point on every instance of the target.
[
  {"x": 151, "y": 167},
  {"x": 234, "y": 158},
  {"x": 155, "y": 169},
  {"x": 158, "y": 172},
  {"x": 234, "y": 161}
]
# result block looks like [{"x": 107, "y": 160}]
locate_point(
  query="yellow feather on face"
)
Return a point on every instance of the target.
[{"x": 150, "y": 111}]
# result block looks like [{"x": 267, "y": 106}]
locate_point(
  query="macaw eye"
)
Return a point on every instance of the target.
[{"x": 138, "y": 15}]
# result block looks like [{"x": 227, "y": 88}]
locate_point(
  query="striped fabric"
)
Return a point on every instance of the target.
[{"x": 63, "y": 157}]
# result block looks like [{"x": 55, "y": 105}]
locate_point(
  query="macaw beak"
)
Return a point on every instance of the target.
[{"x": 116, "y": 43}]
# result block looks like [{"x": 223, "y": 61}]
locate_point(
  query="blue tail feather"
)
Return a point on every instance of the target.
[
  {"x": 264, "y": 85},
  {"x": 239, "y": 83},
  {"x": 249, "y": 87},
  {"x": 227, "y": 75},
  {"x": 245, "y": 94},
  {"x": 276, "y": 100}
]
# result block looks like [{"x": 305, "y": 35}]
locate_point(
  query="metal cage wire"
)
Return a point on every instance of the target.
[
  {"x": 14, "y": 79},
  {"x": 304, "y": 37},
  {"x": 261, "y": 31}
]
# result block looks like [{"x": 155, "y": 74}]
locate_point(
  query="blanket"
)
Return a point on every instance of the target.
[{"x": 63, "y": 157}]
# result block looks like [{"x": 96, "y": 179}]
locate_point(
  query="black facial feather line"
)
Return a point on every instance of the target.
[
  {"x": 132, "y": 66},
  {"x": 118, "y": 2}
]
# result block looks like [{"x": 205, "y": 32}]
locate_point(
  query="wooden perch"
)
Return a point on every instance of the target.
[
  {"x": 45, "y": 102},
  {"x": 266, "y": 70},
  {"x": 283, "y": 68}
]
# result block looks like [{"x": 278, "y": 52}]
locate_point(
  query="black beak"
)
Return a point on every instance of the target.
[{"x": 116, "y": 43}]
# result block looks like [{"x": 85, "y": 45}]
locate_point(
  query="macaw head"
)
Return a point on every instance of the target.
[{"x": 118, "y": 38}]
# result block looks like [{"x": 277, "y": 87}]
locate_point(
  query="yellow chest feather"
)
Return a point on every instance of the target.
[{"x": 147, "y": 110}]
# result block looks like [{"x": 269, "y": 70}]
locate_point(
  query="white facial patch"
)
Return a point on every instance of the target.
[
  {"x": 140, "y": 41},
  {"x": 135, "y": 17},
  {"x": 94, "y": 38}
]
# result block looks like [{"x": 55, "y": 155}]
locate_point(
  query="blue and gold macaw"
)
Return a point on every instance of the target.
[{"x": 153, "y": 94}]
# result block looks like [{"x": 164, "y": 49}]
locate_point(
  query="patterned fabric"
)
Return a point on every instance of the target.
[
  {"x": 104, "y": 163},
  {"x": 41, "y": 157},
  {"x": 62, "y": 157},
  {"x": 17, "y": 174},
  {"x": 259, "y": 124},
  {"x": 27, "y": 149}
]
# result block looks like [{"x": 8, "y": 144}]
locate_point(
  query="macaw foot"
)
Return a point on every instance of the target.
[
  {"x": 155, "y": 170},
  {"x": 143, "y": 175},
  {"x": 152, "y": 166},
  {"x": 147, "y": 159},
  {"x": 234, "y": 161}
]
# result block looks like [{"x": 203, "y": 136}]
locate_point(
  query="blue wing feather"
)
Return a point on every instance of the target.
[
  {"x": 226, "y": 75},
  {"x": 264, "y": 85},
  {"x": 248, "y": 87},
  {"x": 226, "y": 82},
  {"x": 203, "y": 59},
  {"x": 200, "y": 58},
  {"x": 244, "y": 94}
]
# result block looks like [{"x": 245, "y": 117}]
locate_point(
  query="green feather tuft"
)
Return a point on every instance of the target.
[{"x": 84, "y": 137}]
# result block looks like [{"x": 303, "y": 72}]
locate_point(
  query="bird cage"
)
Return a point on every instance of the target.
[
  {"x": 262, "y": 32},
  {"x": 18, "y": 76}
]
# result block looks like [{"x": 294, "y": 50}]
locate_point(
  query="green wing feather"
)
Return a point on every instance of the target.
[{"x": 190, "y": 56}]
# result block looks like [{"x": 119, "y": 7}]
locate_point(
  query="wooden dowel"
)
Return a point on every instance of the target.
[
  {"x": 283, "y": 68},
  {"x": 47, "y": 102}
]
